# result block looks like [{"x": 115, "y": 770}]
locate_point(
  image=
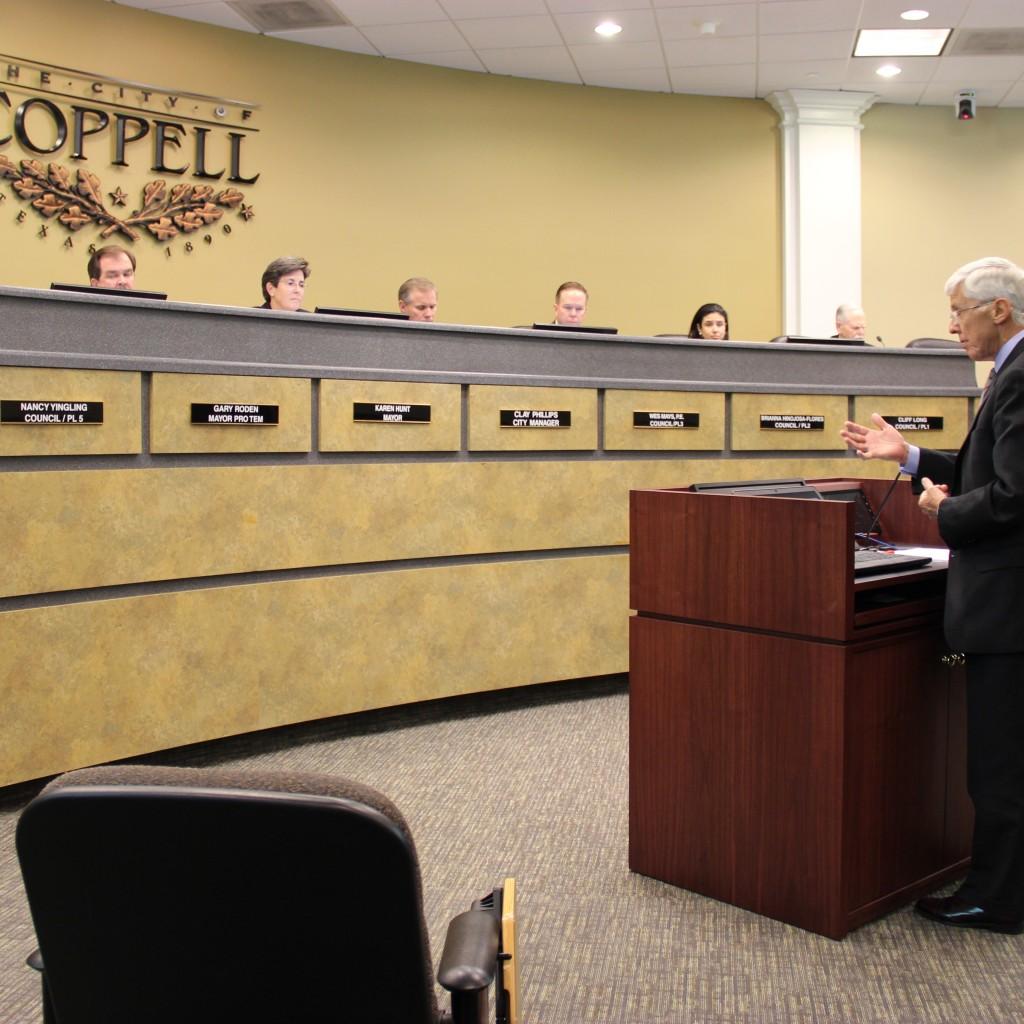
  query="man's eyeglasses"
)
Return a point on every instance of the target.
[{"x": 955, "y": 314}]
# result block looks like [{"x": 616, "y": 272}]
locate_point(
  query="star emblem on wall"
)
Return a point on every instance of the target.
[
  {"x": 118, "y": 197},
  {"x": 246, "y": 212}
]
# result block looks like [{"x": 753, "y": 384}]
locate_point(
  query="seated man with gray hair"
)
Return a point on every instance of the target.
[
  {"x": 850, "y": 322},
  {"x": 417, "y": 299}
]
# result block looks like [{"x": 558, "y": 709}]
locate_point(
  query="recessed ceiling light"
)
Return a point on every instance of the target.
[
  {"x": 901, "y": 42},
  {"x": 915, "y": 15},
  {"x": 608, "y": 29},
  {"x": 888, "y": 71}
]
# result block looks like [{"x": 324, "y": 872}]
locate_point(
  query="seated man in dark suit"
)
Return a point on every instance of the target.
[
  {"x": 570, "y": 303},
  {"x": 850, "y": 322},
  {"x": 978, "y": 499},
  {"x": 417, "y": 299},
  {"x": 112, "y": 267}
]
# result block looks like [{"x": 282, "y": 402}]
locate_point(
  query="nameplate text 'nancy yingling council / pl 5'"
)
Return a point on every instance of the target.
[{"x": 51, "y": 413}]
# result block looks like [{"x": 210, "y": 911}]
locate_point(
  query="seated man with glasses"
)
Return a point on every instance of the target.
[{"x": 850, "y": 322}]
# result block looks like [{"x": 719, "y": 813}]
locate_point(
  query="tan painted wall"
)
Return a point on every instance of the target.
[
  {"x": 497, "y": 188},
  {"x": 937, "y": 193}
]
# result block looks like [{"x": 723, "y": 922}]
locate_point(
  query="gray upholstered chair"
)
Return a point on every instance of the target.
[{"x": 173, "y": 895}]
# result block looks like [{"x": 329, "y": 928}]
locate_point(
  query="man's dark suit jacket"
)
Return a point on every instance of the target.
[{"x": 982, "y": 521}]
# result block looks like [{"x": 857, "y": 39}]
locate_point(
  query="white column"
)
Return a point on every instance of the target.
[{"x": 821, "y": 235}]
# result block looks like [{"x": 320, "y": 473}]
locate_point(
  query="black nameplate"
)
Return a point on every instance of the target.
[
  {"x": 679, "y": 420},
  {"x": 902, "y": 422},
  {"x": 234, "y": 414},
  {"x": 536, "y": 418},
  {"x": 49, "y": 413},
  {"x": 390, "y": 412},
  {"x": 791, "y": 421}
]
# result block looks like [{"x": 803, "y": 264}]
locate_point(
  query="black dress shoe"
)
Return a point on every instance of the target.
[{"x": 962, "y": 913}]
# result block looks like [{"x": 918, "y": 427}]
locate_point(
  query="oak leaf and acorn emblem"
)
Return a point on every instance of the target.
[{"x": 77, "y": 200}]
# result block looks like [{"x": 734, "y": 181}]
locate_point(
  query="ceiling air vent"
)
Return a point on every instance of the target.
[
  {"x": 288, "y": 15},
  {"x": 989, "y": 42}
]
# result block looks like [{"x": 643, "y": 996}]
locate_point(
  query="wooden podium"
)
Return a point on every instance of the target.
[{"x": 796, "y": 736}]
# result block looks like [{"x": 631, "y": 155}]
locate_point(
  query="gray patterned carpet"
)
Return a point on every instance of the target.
[{"x": 533, "y": 783}]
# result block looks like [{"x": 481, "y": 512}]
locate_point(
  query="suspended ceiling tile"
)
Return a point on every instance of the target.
[
  {"x": 390, "y": 12},
  {"x": 210, "y": 14},
  {"x": 735, "y": 80},
  {"x": 994, "y": 14},
  {"x": 462, "y": 60},
  {"x": 532, "y": 62},
  {"x": 644, "y": 79},
  {"x": 571, "y": 6},
  {"x": 915, "y": 69},
  {"x": 349, "y": 39},
  {"x": 425, "y": 37},
  {"x": 532, "y": 30},
  {"x": 886, "y": 14},
  {"x": 686, "y": 22},
  {"x": 683, "y": 53},
  {"x": 801, "y": 46},
  {"x": 486, "y": 9},
  {"x": 811, "y": 74},
  {"x": 637, "y": 27},
  {"x": 628, "y": 55},
  {"x": 968, "y": 70},
  {"x": 807, "y": 16}
]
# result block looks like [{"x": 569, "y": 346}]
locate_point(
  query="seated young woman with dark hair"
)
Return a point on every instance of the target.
[{"x": 710, "y": 322}]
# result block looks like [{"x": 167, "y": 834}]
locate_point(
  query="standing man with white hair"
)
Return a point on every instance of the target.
[
  {"x": 850, "y": 322},
  {"x": 978, "y": 499}
]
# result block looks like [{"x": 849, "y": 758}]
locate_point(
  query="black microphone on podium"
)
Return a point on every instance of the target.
[{"x": 874, "y": 522}]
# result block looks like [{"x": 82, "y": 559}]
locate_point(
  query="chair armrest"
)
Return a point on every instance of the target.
[{"x": 470, "y": 955}]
